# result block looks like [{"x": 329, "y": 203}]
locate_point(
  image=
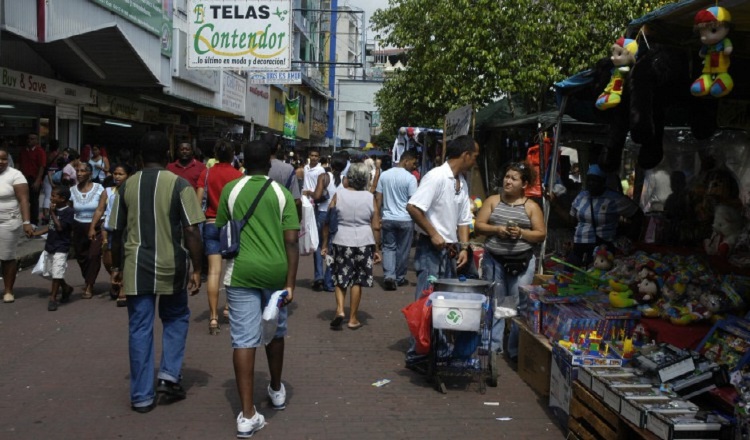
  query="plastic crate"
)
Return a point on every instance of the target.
[{"x": 457, "y": 311}]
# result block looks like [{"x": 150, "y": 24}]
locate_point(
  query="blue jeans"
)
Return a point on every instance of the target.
[
  {"x": 321, "y": 218},
  {"x": 428, "y": 261},
  {"x": 506, "y": 294},
  {"x": 175, "y": 319},
  {"x": 397, "y": 236}
]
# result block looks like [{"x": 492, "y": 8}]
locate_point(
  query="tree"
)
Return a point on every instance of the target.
[{"x": 477, "y": 51}]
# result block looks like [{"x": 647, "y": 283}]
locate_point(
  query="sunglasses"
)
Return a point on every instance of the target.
[{"x": 518, "y": 166}]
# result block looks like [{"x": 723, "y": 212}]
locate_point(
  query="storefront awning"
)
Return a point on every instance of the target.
[{"x": 103, "y": 57}]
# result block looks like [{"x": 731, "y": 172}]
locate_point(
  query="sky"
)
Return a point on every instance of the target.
[{"x": 369, "y": 6}]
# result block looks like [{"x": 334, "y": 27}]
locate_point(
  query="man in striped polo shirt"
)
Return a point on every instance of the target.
[{"x": 154, "y": 224}]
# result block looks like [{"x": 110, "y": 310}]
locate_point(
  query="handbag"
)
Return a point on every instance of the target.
[
  {"x": 515, "y": 265},
  {"x": 229, "y": 234},
  {"x": 324, "y": 196},
  {"x": 333, "y": 221}
]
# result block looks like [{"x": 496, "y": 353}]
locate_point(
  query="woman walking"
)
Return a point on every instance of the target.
[
  {"x": 210, "y": 183},
  {"x": 355, "y": 246},
  {"x": 99, "y": 165},
  {"x": 85, "y": 196},
  {"x": 514, "y": 225}
]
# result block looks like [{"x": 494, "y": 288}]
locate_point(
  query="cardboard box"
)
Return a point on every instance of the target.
[
  {"x": 637, "y": 411},
  {"x": 534, "y": 359},
  {"x": 562, "y": 376},
  {"x": 666, "y": 361},
  {"x": 689, "y": 426}
]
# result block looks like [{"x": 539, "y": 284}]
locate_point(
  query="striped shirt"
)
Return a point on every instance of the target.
[
  {"x": 152, "y": 207},
  {"x": 501, "y": 215},
  {"x": 607, "y": 208}
]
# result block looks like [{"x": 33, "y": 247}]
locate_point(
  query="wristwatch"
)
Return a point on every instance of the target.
[{"x": 27, "y": 222}]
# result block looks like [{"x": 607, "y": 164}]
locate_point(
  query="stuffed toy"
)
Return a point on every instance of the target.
[
  {"x": 621, "y": 295},
  {"x": 713, "y": 24},
  {"x": 648, "y": 289},
  {"x": 727, "y": 227},
  {"x": 603, "y": 261},
  {"x": 623, "y": 56}
]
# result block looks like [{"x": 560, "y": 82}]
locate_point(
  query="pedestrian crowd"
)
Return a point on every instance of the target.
[{"x": 160, "y": 228}]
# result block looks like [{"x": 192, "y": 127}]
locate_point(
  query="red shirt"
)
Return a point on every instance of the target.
[
  {"x": 191, "y": 172},
  {"x": 30, "y": 160},
  {"x": 218, "y": 176}
]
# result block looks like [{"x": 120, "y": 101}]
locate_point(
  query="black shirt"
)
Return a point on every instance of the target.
[{"x": 59, "y": 241}]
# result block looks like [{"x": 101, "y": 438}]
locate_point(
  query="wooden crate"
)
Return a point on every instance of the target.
[{"x": 591, "y": 419}]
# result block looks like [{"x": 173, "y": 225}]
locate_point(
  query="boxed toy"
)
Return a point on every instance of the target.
[
  {"x": 637, "y": 411},
  {"x": 728, "y": 343},
  {"x": 690, "y": 426},
  {"x": 666, "y": 361},
  {"x": 587, "y": 374}
]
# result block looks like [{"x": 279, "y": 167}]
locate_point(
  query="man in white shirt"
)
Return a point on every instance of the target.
[
  {"x": 312, "y": 171},
  {"x": 441, "y": 209},
  {"x": 394, "y": 188}
]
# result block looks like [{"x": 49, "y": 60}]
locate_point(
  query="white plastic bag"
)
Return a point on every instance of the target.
[
  {"x": 40, "y": 266},
  {"x": 308, "y": 234},
  {"x": 270, "y": 319}
]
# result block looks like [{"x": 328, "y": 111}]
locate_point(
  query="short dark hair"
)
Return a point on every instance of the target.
[
  {"x": 88, "y": 166},
  {"x": 257, "y": 155},
  {"x": 460, "y": 145},
  {"x": 224, "y": 150},
  {"x": 407, "y": 155},
  {"x": 62, "y": 191},
  {"x": 125, "y": 167},
  {"x": 73, "y": 154},
  {"x": 154, "y": 146}
]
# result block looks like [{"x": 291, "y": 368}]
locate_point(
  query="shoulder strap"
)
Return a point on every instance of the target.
[
  {"x": 593, "y": 216},
  {"x": 290, "y": 179},
  {"x": 255, "y": 202}
]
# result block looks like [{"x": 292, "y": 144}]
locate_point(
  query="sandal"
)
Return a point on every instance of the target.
[
  {"x": 87, "y": 295},
  {"x": 213, "y": 326},
  {"x": 122, "y": 301},
  {"x": 336, "y": 322},
  {"x": 226, "y": 312}
]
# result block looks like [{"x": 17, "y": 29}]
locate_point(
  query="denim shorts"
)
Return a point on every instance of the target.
[
  {"x": 210, "y": 239},
  {"x": 245, "y": 312}
]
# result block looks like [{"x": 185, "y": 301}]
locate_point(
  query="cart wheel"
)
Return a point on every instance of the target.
[{"x": 492, "y": 380}]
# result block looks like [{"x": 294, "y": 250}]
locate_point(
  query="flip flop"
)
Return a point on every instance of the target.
[
  {"x": 354, "y": 326},
  {"x": 336, "y": 322}
]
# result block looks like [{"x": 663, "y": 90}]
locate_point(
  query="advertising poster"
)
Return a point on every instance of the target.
[
  {"x": 153, "y": 15},
  {"x": 291, "y": 117},
  {"x": 240, "y": 34}
]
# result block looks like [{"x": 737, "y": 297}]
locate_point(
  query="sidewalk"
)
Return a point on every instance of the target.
[{"x": 66, "y": 375}]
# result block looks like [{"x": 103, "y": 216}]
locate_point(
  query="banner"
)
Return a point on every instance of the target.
[
  {"x": 251, "y": 35},
  {"x": 291, "y": 116},
  {"x": 153, "y": 15}
]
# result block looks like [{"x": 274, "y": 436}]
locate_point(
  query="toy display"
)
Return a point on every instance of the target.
[
  {"x": 727, "y": 226},
  {"x": 713, "y": 25},
  {"x": 623, "y": 57}
]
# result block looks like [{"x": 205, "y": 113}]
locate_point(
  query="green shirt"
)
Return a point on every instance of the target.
[
  {"x": 151, "y": 208},
  {"x": 261, "y": 262}
]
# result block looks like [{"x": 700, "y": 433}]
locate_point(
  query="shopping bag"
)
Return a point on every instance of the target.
[
  {"x": 419, "y": 319},
  {"x": 308, "y": 233},
  {"x": 270, "y": 316},
  {"x": 40, "y": 266}
]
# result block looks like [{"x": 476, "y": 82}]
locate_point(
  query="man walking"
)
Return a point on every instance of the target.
[
  {"x": 394, "y": 189},
  {"x": 32, "y": 163},
  {"x": 266, "y": 262},
  {"x": 312, "y": 171},
  {"x": 441, "y": 209},
  {"x": 154, "y": 223},
  {"x": 186, "y": 165}
]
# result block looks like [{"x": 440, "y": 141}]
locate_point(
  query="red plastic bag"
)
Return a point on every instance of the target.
[{"x": 419, "y": 319}]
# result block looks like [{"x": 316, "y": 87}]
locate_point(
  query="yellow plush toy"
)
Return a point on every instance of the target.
[
  {"x": 713, "y": 25},
  {"x": 623, "y": 56}
]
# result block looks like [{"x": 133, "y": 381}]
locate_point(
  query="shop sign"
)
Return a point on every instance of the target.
[
  {"x": 319, "y": 122},
  {"x": 233, "y": 93},
  {"x": 258, "y": 92},
  {"x": 240, "y": 34},
  {"x": 121, "y": 108},
  {"x": 291, "y": 77},
  {"x": 41, "y": 86},
  {"x": 153, "y": 15},
  {"x": 458, "y": 122},
  {"x": 161, "y": 118},
  {"x": 257, "y": 104},
  {"x": 208, "y": 79}
]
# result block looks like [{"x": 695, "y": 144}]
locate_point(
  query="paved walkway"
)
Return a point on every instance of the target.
[{"x": 65, "y": 376}]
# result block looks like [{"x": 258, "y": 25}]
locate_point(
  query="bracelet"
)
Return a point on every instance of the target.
[{"x": 26, "y": 222}]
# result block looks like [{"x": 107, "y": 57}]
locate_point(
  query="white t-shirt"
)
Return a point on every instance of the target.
[
  {"x": 311, "y": 177},
  {"x": 445, "y": 209},
  {"x": 8, "y": 201}
]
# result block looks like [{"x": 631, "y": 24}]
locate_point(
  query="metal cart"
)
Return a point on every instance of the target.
[{"x": 463, "y": 353}]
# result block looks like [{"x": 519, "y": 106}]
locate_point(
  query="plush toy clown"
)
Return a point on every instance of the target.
[
  {"x": 623, "y": 56},
  {"x": 713, "y": 25}
]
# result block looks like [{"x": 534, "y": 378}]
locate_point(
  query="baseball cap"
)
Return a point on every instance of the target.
[{"x": 595, "y": 170}]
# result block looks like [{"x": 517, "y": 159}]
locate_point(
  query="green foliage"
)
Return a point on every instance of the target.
[{"x": 477, "y": 51}]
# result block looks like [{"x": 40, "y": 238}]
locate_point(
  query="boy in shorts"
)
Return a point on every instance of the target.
[{"x": 59, "y": 233}]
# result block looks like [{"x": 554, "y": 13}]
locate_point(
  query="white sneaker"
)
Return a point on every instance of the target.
[
  {"x": 247, "y": 427},
  {"x": 278, "y": 398},
  {"x": 9, "y": 298}
]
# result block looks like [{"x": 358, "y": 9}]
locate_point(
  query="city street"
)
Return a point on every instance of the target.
[{"x": 65, "y": 376}]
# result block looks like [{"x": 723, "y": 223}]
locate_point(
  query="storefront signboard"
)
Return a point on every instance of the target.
[
  {"x": 207, "y": 79},
  {"x": 257, "y": 103},
  {"x": 458, "y": 122},
  {"x": 153, "y": 15},
  {"x": 251, "y": 35},
  {"x": 233, "y": 93},
  {"x": 291, "y": 77},
  {"x": 122, "y": 108},
  {"x": 41, "y": 86}
]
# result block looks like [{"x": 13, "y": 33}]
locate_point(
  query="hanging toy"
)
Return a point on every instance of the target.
[
  {"x": 714, "y": 24},
  {"x": 623, "y": 56}
]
